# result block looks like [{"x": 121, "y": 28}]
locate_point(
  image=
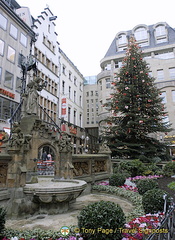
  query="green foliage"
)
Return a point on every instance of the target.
[
  {"x": 136, "y": 110},
  {"x": 169, "y": 169},
  {"x": 2, "y": 220},
  {"x": 153, "y": 200},
  {"x": 144, "y": 185},
  {"x": 156, "y": 160},
  {"x": 134, "y": 167},
  {"x": 102, "y": 215},
  {"x": 38, "y": 234},
  {"x": 117, "y": 180},
  {"x": 134, "y": 197},
  {"x": 171, "y": 185}
]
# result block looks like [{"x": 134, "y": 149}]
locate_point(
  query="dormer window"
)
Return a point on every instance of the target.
[
  {"x": 141, "y": 36},
  {"x": 160, "y": 30},
  {"x": 122, "y": 39},
  {"x": 160, "y": 34}
]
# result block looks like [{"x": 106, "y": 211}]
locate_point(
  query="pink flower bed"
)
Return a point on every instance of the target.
[
  {"x": 131, "y": 188},
  {"x": 144, "y": 177},
  {"x": 141, "y": 227}
]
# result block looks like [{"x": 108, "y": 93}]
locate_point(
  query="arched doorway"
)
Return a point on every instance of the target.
[{"x": 46, "y": 157}]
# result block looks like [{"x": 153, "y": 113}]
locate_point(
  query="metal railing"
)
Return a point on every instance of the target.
[{"x": 166, "y": 230}]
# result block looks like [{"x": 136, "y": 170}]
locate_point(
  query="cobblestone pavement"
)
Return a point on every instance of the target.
[{"x": 55, "y": 222}]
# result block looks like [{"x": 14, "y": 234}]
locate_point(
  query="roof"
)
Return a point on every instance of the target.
[{"x": 171, "y": 39}]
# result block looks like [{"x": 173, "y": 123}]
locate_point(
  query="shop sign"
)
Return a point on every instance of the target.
[
  {"x": 72, "y": 130},
  {"x": 7, "y": 93}
]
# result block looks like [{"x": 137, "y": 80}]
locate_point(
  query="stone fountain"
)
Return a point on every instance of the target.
[{"x": 30, "y": 193}]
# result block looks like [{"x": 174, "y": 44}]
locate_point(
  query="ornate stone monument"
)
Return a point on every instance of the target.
[{"x": 30, "y": 193}]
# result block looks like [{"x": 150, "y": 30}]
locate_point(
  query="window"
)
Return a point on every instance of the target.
[
  {"x": 8, "y": 82},
  {"x": 3, "y": 22},
  {"x": 75, "y": 81},
  {"x": 164, "y": 100},
  {"x": 108, "y": 83},
  {"x": 107, "y": 66},
  {"x": 81, "y": 86},
  {"x": 160, "y": 75},
  {"x": 164, "y": 55},
  {"x": 18, "y": 84},
  {"x": 160, "y": 30},
  {"x": 87, "y": 94},
  {"x": 69, "y": 92},
  {"x": 74, "y": 117},
  {"x": 80, "y": 119},
  {"x": 141, "y": 33},
  {"x": 11, "y": 54},
  {"x": 63, "y": 87},
  {"x": 122, "y": 39},
  {"x": 1, "y": 47},
  {"x": 74, "y": 96},
  {"x": 23, "y": 40},
  {"x": 64, "y": 70},
  {"x": 160, "y": 33},
  {"x": 118, "y": 64},
  {"x": 173, "y": 95},
  {"x": 92, "y": 93},
  {"x": 80, "y": 101},
  {"x": 172, "y": 73},
  {"x": 13, "y": 31},
  {"x": 70, "y": 75},
  {"x": 69, "y": 113}
]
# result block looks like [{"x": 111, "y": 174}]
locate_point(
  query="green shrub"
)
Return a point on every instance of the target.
[
  {"x": 2, "y": 220},
  {"x": 102, "y": 215},
  {"x": 144, "y": 185},
  {"x": 134, "y": 167},
  {"x": 169, "y": 169},
  {"x": 144, "y": 159},
  {"x": 148, "y": 172},
  {"x": 153, "y": 200},
  {"x": 156, "y": 160},
  {"x": 171, "y": 185},
  {"x": 117, "y": 180}
]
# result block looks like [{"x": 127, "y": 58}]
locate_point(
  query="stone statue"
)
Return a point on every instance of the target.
[
  {"x": 104, "y": 148},
  {"x": 17, "y": 136},
  {"x": 65, "y": 144},
  {"x": 65, "y": 148},
  {"x": 18, "y": 139},
  {"x": 30, "y": 98}
]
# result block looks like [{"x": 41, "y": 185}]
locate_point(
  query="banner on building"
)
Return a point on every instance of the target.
[{"x": 63, "y": 107}]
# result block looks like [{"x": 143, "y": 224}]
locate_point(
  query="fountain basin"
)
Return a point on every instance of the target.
[{"x": 54, "y": 196}]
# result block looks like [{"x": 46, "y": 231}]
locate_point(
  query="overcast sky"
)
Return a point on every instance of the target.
[{"x": 86, "y": 28}]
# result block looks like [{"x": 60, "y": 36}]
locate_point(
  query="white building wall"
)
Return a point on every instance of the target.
[{"x": 71, "y": 88}]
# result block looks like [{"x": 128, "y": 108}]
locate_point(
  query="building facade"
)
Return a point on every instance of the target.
[
  {"x": 46, "y": 51},
  {"x": 157, "y": 43},
  {"x": 90, "y": 104},
  {"x": 71, "y": 102},
  {"x": 15, "y": 44}
]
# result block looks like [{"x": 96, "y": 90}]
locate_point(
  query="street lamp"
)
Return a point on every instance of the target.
[{"x": 85, "y": 144}]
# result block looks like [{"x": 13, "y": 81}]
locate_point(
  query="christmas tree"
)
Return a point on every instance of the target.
[{"x": 136, "y": 110}]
